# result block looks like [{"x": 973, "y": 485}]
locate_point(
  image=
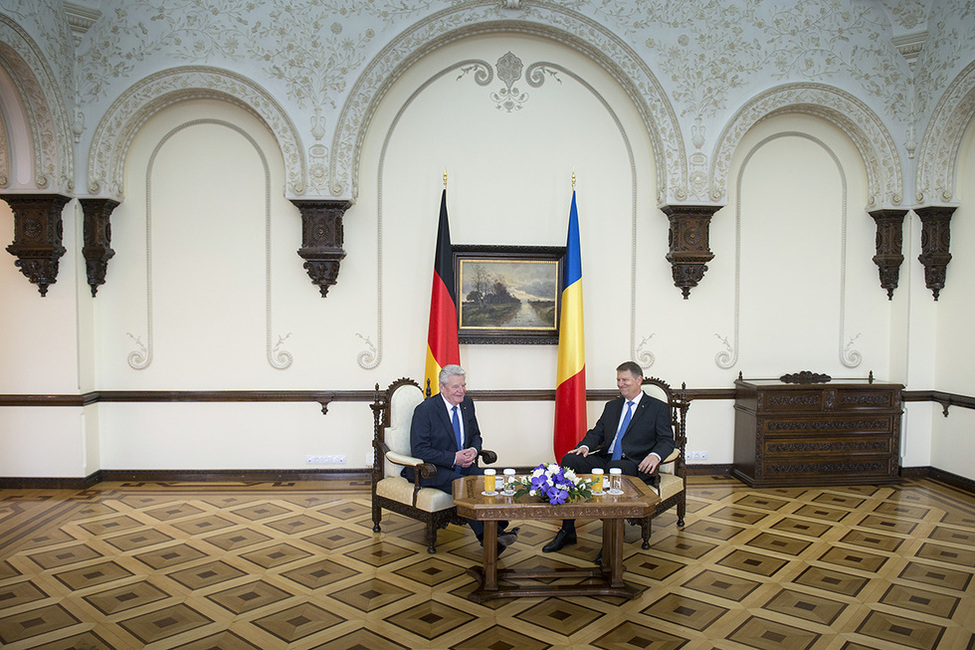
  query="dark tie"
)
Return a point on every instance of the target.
[
  {"x": 618, "y": 443},
  {"x": 456, "y": 422}
]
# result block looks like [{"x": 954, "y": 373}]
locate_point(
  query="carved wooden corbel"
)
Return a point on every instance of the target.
[
  {"x": 321, "y": 239},
  {"x": 890, "y": 238},
  {"x": 38, "y": 232},
  {"x": 688, "y": 242},
  {"x": 935, "y": 237},
  {"x": 98, "y": 239}
]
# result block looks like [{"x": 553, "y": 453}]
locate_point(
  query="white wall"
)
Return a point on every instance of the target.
[
  {"x": 203, "y": 286},
  {"x": 952, "y": 445}
]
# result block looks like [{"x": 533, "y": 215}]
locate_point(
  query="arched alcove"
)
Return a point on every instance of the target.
[
  {"x": 878, "y": 152},
  {"x": 139, "y": 103},
  {"x": 44, "y": 159}
]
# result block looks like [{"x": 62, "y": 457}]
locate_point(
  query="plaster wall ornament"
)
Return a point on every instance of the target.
[
  {"x": 885, "y": 183},
  {"x": 4, "y": 156},
  {"x": 540, "y": 18},
  {"x": 114, "y": 134},
  {"x": 80, "y": 18},
  {"x": 42, "y": 102},
  {"x": 945, "y": 54},
  {"x": 943, "y": 137}
]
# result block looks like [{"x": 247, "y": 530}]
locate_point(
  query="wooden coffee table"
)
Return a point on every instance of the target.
[{"x": 635, "y": 502}]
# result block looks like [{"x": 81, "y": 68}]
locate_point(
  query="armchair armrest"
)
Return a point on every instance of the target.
[{"x": 489, "y": 457}]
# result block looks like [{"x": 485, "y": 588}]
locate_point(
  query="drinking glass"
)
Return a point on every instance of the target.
[{"x": 489, "y": 481}]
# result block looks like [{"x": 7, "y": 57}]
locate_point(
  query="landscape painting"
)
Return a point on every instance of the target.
[{"x": 508, "y": 294}]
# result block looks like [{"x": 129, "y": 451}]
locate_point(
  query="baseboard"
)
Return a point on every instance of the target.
[
  {"x": 50, "y": 483},
  {"x": 219, "y": 475},
  {"x": 354, "y": 474},
  {"x": 699, "y": 469},
  {"x": 183, "y": 476},
  {"x": 940, "y": 475}
]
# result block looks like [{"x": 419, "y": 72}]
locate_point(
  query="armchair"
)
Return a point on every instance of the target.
[
  {"x": 392, "y": 417},
  {"x": 672, "y": 471}
]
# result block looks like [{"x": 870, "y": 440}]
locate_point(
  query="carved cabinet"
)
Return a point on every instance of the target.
[{"x": 843, "y": 432}]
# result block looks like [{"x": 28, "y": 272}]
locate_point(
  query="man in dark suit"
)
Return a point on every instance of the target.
[
  {"x": 445, "y": 433},
  {"x": 634, "y": 433}
]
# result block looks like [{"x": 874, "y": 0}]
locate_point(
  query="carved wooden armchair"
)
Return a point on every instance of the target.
[
  {"x": 392, "y": 417},
  {"x": 672, "y": 470}
]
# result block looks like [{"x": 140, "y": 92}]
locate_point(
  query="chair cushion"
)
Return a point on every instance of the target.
[
  {"x": 670, "y": 485},
  {"x": 400, "y": 490},
  {"x": 397, "y": 435}
]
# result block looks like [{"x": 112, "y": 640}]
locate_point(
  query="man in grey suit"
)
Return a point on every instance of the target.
[
  {"x": 634, "y": 433},
  {"x": 445, "y": 433}
]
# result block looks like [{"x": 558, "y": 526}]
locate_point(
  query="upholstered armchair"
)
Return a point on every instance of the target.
[{"x": 392, "y": 417}]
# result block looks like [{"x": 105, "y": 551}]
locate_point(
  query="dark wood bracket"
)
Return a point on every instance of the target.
[
  {"x": 38, "y": 233},
  {"x": 688, "y": 241},
  {"x": 98, "y": 239},
  {"x": 935, "y": 237},
  {"x": 321, "y": 239},
  {"x": 890, "y": 238}
]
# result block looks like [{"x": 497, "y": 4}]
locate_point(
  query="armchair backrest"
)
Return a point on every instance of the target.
[
  {"x": 678, "y": 404},
  {"x": 393, "y": 415}
]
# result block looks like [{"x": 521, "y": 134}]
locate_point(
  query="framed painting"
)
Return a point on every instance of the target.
[{"x": 508, "y": 294}]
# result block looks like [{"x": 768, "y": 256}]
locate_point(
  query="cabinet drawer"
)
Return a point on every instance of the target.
[
  {"x": 802, "y": 449},
  {"x": 868, "y": 469},
  {"x": 791, "y": 400},
  {"x": 859, "y": 423}
]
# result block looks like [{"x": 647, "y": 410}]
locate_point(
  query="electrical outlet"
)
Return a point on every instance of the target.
[
  {"x": 325, "y": 460},
  {"x": 697, "y": 455}
]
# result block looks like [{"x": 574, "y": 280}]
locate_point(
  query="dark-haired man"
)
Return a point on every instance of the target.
[{"x": 634, "y": 433}]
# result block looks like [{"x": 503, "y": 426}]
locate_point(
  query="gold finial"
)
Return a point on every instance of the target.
[
  {"x": 573, "y": 180},
  {"x": 445, "y": 177}
]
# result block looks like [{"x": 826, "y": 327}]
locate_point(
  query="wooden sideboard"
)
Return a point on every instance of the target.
[{"x": 838, "y": 432}]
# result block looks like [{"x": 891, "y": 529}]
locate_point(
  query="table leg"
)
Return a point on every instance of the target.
[
  {"x": 613, "y": 550},
  {"x": 490, "y": 555}
]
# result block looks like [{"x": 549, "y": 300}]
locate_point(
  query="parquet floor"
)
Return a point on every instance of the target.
[{"x": 296, "y": 565}]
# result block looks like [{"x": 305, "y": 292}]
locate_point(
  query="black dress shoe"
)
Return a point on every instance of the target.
[
  {"x": 562, "y": 538},
  {"x": 508, "y": 537},
  {"x": 599, "y": 558}
]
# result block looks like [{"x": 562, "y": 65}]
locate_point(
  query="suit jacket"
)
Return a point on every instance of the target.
[
  {"x": 649, "y": 430},
  {"x": 432, "y": 435}
]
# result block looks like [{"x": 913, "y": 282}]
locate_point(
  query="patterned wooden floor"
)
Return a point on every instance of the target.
[{"x": 184, "y": 565}]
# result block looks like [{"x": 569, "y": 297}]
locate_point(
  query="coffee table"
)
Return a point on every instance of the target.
[{"x": 607, "y": 580}]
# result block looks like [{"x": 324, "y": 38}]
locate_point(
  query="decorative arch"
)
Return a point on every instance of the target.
[
  {"x": 115, "y": 132},
  {"x": 938, "y": 153},
  {"x": 885, "y": 178},
  {"x": 48, "y": 125},
  {"x": 544, "y": 19}
]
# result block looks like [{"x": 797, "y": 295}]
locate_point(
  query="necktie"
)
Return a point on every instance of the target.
[
  {"x": 456, "y": 422},
  {"x": 618, "y": 443}
]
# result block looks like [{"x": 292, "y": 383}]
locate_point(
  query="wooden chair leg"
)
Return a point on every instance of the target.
[
  {"x": 681, "y": 509},
  {"x": 646, "y": 531},
  {"x": 377, "y": 515},
  {"x": 431, "y": 537}
]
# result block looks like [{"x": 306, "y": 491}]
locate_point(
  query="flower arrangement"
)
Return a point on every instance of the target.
[{"x": 556, "y": 484}]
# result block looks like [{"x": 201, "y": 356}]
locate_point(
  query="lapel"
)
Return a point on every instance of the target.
[
  {"x": 445, "y": 419},
  {"x": 641, "y": 409}
]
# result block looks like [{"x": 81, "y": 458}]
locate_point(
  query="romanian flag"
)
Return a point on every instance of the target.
[
  {"x": 442, "y": 345},
  {"x": 570, "y": 387}
]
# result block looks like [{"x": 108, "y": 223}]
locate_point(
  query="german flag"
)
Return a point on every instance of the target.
[
  {"x": 442, "y": 345},
  {"x": 570, "y": 387}
]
